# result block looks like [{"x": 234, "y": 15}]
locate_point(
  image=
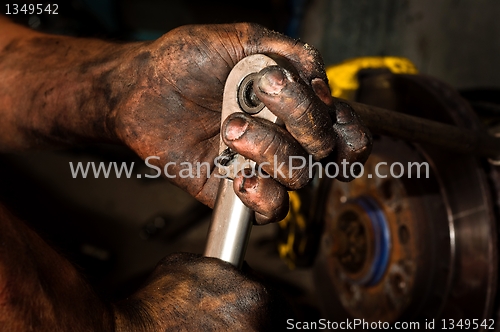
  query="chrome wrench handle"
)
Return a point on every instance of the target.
[{"x": 232, "y": 221}]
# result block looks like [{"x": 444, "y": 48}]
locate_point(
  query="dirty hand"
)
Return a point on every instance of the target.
[
  {"x": 164, "y": 98},
  {"x": 192, "y": 293},
  {"x": 185, "y": 292},
  {"x": 173, "y": 112}
]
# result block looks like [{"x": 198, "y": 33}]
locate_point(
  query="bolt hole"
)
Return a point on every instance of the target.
[
  {"x": 247, "y": 98},
  {"x": 404, "y": 234},
  {"x": 250, "y": 96}
]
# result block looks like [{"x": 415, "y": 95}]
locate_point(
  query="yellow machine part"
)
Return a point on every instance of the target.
[
  {"x": 343, "y": 82},
  {"x": 343, "y": 79},
  {"x": 294, "y": 222}
]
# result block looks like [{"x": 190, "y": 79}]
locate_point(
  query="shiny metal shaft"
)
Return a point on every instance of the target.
[{"x": 230, "y": 226}]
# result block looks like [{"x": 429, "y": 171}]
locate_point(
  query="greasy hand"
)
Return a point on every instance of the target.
[
  {"x": 187, "y": 292},
  {"x": 172, "y": 110}
]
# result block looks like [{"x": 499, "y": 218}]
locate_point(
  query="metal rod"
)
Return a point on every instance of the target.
[
  {"x": 230, "y": 226},
  {"x": 415, "y": 129}
]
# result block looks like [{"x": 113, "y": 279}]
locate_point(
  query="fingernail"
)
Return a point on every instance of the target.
[
  {"x": 272, "y": 81},
  {"x": 322, "y": 90},
  {"x": 235, "y": 128}
]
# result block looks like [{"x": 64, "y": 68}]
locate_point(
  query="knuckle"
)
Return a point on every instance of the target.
[
  {"x": 314, "y": 131},
  {"x": 167, "y": 262},
  {"x": 313, "y": 52},
  {"x": 172, "y": 258},
  {"x": 304, "y": 107},
  {"x": 299, "y": 178},
  {"x": 250, "y": 27},
  {"x": 314, "y": 64},
  {"x": 273, "y": 143},
  {"x": 255, "y": 290}
]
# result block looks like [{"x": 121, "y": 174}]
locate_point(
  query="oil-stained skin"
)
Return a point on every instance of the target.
[
  {"x": 225, "y": 299},
  {"x": 41, "y": 291},
  {"x": 163, "y": 98},
  {"x": 354, "y": 140},
  {"x": 246, "y": 186},
  {"x": 195, "y": 62},
  {"x": 191, "y": 66}
]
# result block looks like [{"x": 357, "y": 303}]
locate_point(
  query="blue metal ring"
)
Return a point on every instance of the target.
[{"x": 382, "y": 241}]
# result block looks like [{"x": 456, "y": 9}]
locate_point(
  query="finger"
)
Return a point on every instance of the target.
[
  {"x": 302, "y": 56},
  {"x": 265, "y": 196},
  {"x": 354, "y": 140},
  {"x": 305, "y": 116},
  {"x": 274, "y": 150}
]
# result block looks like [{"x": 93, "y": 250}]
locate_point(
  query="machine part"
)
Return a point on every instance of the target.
[
  {"x": 366, "y": 296},
  {"x": 419, "y": 130},
  {"x": 343, "y": 77},
  {"x": 344, "y": 82},
  {"x": 231, "y": 220},
  {"x": 373, "y": 237},
  {"x": 247, "y": 100},
  {"x": 230, "y": 226},
  {"x": 294, "y": 223},
  {"x": 297, "y": 238},
  {"x": 300, "y": 231},
  {"x": 443, "y": 242}
]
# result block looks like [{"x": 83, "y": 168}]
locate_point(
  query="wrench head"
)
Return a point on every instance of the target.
[{"x": 238, "y": 97}]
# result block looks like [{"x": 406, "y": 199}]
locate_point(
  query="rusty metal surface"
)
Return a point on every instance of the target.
[
  {"x": 406, "y": 277},
  {"x": 443, "y": 256}
]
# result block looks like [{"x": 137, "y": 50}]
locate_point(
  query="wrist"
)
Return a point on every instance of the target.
[
  {"x": 112, "y": 80},
  {"x": 97, "y": 86},
  {"x": 61, "y": 90},
  {"x": 125, "y": 80}
]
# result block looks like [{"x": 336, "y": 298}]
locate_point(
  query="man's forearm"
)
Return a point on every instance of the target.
[
  {"x": 40, "y": 290},
  {"x": 58, "y": 90}
]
